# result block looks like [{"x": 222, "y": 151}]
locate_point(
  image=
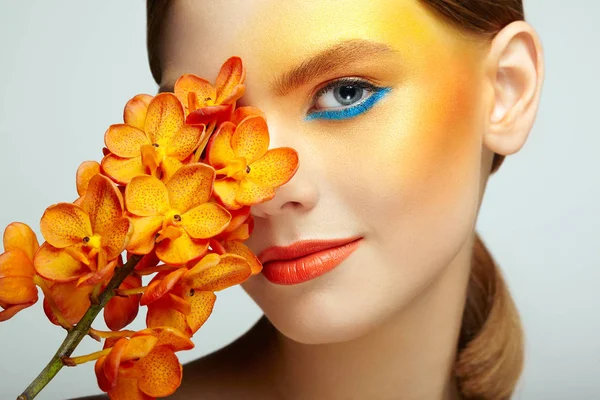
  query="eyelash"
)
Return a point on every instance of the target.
[{"x": 353, "y": 110}]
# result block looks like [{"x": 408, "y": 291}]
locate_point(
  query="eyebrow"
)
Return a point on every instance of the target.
[{"x": 334, "y": 57}]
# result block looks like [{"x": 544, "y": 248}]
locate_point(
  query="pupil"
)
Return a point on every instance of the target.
[{"x": 348, "y": 94}]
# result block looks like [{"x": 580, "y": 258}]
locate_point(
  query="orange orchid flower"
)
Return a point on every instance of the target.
[
  {"x": 17, "y": 288},
  {"x": 184, "y": 298},
  {"x": 252, "y": 172},
  {"x": 204, "y": 102},
  {"x": 177, "y": 215},
  {"x": 155, "y": 137},
  {"x": 143, "y": 367},
  {"x": 82, "y": 241}
]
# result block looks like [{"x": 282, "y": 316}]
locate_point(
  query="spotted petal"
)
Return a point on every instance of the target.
[
  {"x": 250, "y": 193},
  {"x": 231, "y": 270},
  {"x": 205, "y": 221},
  {"x": 65, "y": 224},
  {"x": 104, "y": 203},
  {"x": 162, "y": 372},
  {"x": 164, "y": 118},
  {"x": 185, "y": 141},
  {"x": 115, "y": 238},
  {"x": 146, "y": 196},
  {"x": 123, "y": 170},
  {"x": 275, "y": 168},
  {"x": 231, "y": 74},
  {"x": 251, "y": 138},
  {"x": 202, "y": 306},
  {"x": 190, "y": 186},
  {"x": 125, "y": 140}
]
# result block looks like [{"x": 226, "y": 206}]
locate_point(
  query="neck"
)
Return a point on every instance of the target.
[{"x": 411, "y": 356}]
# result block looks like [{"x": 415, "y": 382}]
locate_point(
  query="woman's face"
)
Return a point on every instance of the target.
[{"x": 403, "y": 170}]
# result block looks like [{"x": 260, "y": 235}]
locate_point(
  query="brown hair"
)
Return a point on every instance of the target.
[{"x": 490, "y": 347}]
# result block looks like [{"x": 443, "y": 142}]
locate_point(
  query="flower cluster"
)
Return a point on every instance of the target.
[{"x": 172, "y": 192}]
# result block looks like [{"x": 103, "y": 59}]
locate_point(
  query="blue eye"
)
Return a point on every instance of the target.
[{"x": 347, "y": 91}]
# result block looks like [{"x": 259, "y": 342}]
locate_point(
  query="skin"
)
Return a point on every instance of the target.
[{"x": 408, "y": 175}]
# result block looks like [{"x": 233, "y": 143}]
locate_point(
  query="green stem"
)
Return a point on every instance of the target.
[{"x": 76, "y": 334}]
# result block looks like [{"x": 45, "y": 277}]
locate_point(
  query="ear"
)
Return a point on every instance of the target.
[{"x": 515, "y": 71}]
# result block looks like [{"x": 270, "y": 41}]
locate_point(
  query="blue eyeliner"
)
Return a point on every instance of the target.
[{"x": 353, "y": 111}]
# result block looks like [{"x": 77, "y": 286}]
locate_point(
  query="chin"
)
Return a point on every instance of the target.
[{"x": 336, "y": 307}]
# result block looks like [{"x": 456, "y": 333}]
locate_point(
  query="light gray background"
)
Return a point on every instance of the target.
[{"x": 68, "y": 67}]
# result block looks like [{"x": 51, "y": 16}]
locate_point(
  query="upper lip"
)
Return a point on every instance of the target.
[{"x": 300, "y": 249}]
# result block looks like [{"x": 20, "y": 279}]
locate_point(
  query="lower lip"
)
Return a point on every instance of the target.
[{"x": 298, "y": 270}]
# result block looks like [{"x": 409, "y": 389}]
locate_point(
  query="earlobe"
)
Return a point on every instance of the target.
[{"x": 516, "y": 74}]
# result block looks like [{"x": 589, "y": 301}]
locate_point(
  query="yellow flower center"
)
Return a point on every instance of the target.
[
  {"x": 236, "y": 168},
  {"x": 94, "y": 241}
]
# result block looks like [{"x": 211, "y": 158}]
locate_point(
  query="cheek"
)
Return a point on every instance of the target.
[{"x": 419, "y": 165}]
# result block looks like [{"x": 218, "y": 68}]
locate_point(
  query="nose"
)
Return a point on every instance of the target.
[{"x": 298, "y": 195}]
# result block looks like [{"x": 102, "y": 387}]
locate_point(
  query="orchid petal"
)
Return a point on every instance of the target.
[
  {"x": 169, "y": 166},
  {"x": 103, "y": 202},
  {"x": 231, "y": 74},
  {"x": 236, "y": 247},
  {"x": 135, "y": 110},
  {"x": 162, "y": 372},
  {"x": 85, "y": 172},
  {"x": 241, "y": 113},
  {"x": 186, "y": 141},
  {"x": 251, "y": 138},
  {"x": 202, "y": 306},
  {"x": 218, "y": 149},
  {"x": 207, "y": 114},
  {"x": 205, "y": 221},
  {"x": 19, "y": 236},
  {"x": 226, "y": 191},
  {"x": 121, "y": 311},
  {"x": 157, "y": 290},
  {"x": 164, "y": 118},
  {"x": 57, "y": 265},
  {"x": 275, "y": 168},
  {"x": 16, "y": 279},
  {"x": 144, "y": 232},
  {"x": 202, "y": 91},
  {"x": 125, "y": 140},
  {"x": 146, "y": 196},
  {"x": 190, "y": 186},
  {"x": 230, "y": 271},
  {"x": 250, "y": 193},
  {"x": 123, "y": 170},
  {"x": 65, "y": 224},
  {"x": 115, "y": 238},
  {"x": 181, "y": 250},
  {"x": 159, "y": 315}
]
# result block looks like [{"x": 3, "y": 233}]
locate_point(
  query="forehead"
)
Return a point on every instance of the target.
[{"x": 272, "y": 36}]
